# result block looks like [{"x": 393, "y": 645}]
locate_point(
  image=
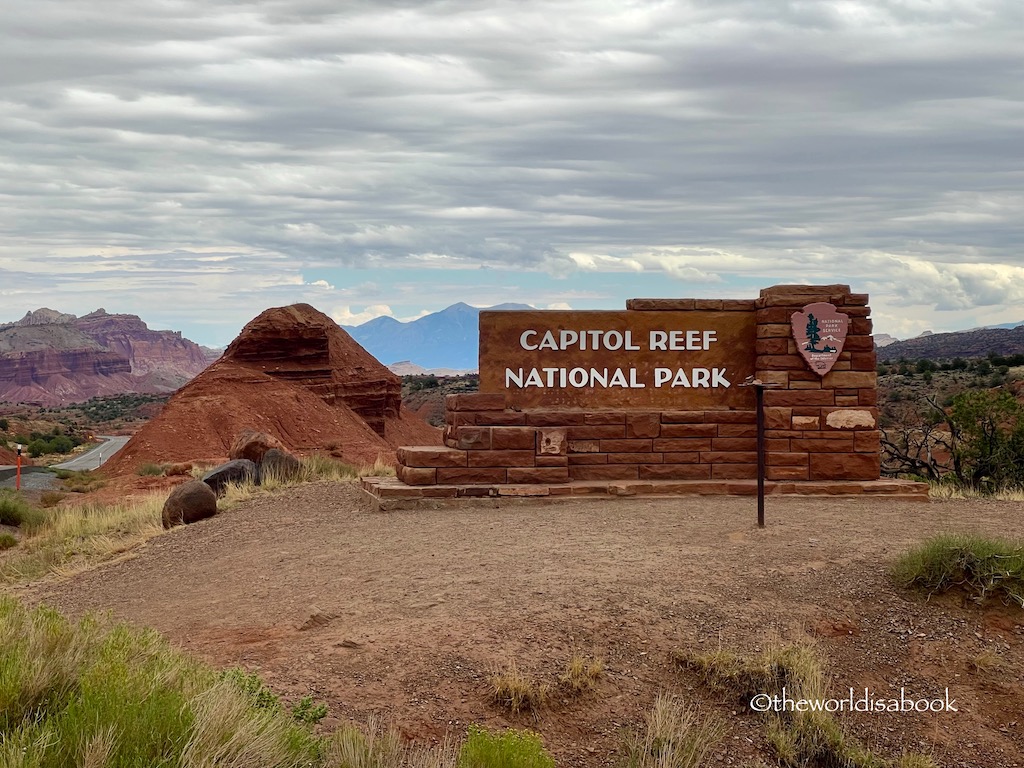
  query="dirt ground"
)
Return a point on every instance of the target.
[{"x": 413, "y": 611}]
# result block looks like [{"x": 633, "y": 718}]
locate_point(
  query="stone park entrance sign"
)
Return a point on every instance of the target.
[
  {"x": 599, "y": 359},
  {"x": 648, "y": 400}
]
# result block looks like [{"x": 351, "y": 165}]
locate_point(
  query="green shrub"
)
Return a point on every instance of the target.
[
  {"x": 150, "y": 470},
  {"x": 14, "y": 510},
  {"x": 95, "y": 693},
  {"x": 4, "y": 425},
  {"x": 984, "y": 567},
  {"x": 7, "y": 541},
  {"x": 509, "y": 749}
]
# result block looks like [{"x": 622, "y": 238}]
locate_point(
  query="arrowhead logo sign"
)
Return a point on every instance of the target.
[{"x": 820, "y": 332}]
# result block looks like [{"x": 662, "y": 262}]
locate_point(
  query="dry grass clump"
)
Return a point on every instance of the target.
[
  {"x": 798, "y": 738},
  {"x": 69, "y": 536},
  {"x": 949, "y": 491},
  {"x": 80, "y": 482},
  {"x": 982, "y": 566},
  {"x": 581, "y": 674},
  {"x": 50, "y": 499},
  {"x": 378, "y": 746},
  {"x": 514, "y": 691},
  {"x": 675, "y": 736}
]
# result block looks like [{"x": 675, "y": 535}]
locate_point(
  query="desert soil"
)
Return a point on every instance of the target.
[{"x": 406, "y": 614}]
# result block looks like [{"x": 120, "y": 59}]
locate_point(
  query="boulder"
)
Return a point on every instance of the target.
[
  {"x": 279, "y": 465},
  {"x": 253, "y": 445},
  {"x": 191, "y": 501},
  {"x": 237, "y": 471}
]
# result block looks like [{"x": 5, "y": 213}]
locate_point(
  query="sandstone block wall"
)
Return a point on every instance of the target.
[{"x": 816, "y": 428}]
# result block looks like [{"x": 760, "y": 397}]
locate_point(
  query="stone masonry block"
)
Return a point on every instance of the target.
[
  {"x": 675, "y": 471},
  {"x": 513, "y": 438},
  {"x": 545, "y": 418},
  {"x": 475, "y": 401},
  {"x": 845, "y": 466},
  {"x": 539, "y": 475},
  {"x": 416, "y": 475},
  {"x": 471, "y": 475},
  {"x": 682, "y": 417},
  {"x": 624, "y": 446},
  {"x": 431, "y": 456},
  {"x": 470, "y": 438},
  {"x": 639, "y": 425},
  {"x": 689, "y": 430},
  {"x": 501, "y": 458}
]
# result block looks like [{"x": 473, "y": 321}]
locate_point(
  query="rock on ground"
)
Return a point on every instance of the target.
[
  {"x": 253, "y": 445},
  {"x": 192, "y": 501},
  {"x": 237, "y": 471}
]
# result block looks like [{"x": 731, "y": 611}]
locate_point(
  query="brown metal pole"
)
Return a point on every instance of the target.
[{"x": 760, "y": 455}]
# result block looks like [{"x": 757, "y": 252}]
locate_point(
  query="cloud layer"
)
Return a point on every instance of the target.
[{"x": 197, "y": 162}]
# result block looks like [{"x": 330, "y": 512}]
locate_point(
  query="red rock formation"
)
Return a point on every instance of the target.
[
  {"x": 294, "y": 374},
  {"x": 54, "y": 359},
  {"x": 302, "y": 345},
  {"x": 160, "y": 355}
]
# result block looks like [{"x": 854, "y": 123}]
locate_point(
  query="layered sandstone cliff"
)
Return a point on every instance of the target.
[{"x": 53, "y": 359}]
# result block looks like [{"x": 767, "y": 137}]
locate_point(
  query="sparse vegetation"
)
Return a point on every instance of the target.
[
  {"x": 375, "y": 746},
  {"x": 581, "y": 674},
  {"x": 105, "y": 695},
  {"x": 514, "y": 691},
  {"x": 976, "y": 442},
  {"x": 7, "y": 541},
  {"x": 50, "y": 499},
  {"x": 261, "y": 697},
  {"x": 150, "y": 470},
  {"x": 510, "y": 749},
  {"x": 80, "y": 482},
  {"x": 798, "y": 738},
  {"x": 14, "y": 510},
  {"x": 69, "y": 536},
  {"x": 99, "y": 694},
  {"x": 675, "y": 736},
  {"x": 983, "y": 567}
]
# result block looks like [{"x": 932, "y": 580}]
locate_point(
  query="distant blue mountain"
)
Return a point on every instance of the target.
[
  {"x": 445, "y": 339},
  {"x": 1006, "y": 325}
]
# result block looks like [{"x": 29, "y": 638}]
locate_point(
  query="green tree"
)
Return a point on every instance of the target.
[
  {"x": 813, "y": 334},
  {"x": 988, "y": 431}
]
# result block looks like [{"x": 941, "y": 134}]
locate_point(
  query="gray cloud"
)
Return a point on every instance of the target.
[{"x": 705, "y": 140}]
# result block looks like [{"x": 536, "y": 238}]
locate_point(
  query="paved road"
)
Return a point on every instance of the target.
[
  {"x": 32, "y": 478},
  {"x": 97, "y": 456}
]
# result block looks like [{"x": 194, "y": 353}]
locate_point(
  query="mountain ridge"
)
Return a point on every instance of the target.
[
  {"x": 52, "y": 358},
  {"x": 447, "y": 339}
]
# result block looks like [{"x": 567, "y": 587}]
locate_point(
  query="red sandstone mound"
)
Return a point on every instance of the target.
[{"x": 295, "y": 374}]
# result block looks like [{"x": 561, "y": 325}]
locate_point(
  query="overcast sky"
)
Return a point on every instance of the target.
[{"x": 197, "y": 162}]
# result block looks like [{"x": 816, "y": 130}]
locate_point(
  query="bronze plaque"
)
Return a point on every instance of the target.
[
  {"x": 618, "y": 359},
  {"x": 820, "y": 332}
]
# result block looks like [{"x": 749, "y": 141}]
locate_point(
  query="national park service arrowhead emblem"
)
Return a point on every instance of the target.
[{"x": 820, "y": 332}]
